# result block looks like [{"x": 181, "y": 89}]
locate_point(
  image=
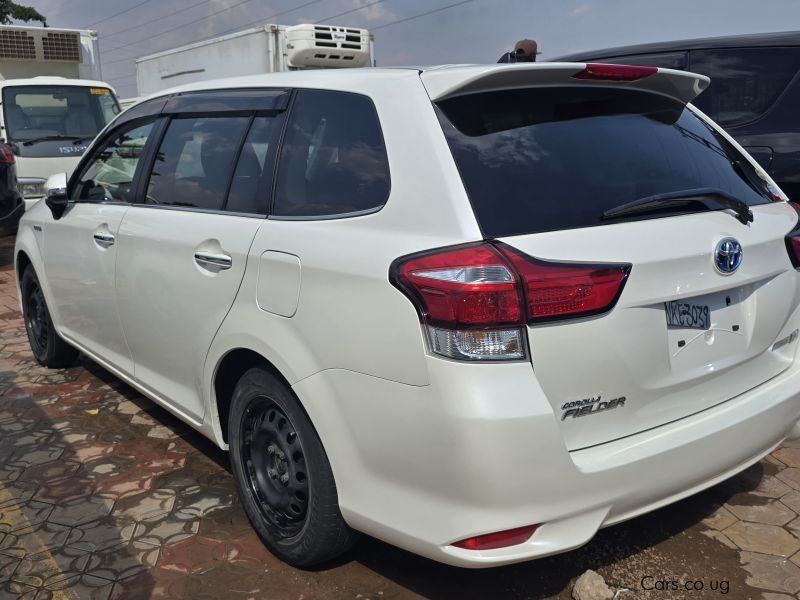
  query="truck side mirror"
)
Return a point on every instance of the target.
[{"x": 56, "y": 196}]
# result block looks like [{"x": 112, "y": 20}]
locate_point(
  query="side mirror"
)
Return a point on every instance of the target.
[{"x": 56, "y": 197}]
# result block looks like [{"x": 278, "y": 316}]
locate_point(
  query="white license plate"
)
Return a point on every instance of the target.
[{"x": 687, "y": 315}]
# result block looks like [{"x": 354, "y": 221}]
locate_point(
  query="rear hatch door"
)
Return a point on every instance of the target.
[{"x": 694, "y": 325}]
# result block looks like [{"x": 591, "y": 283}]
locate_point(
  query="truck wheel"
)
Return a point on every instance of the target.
[
  {"x": 282, "y": 473},
  {"x": 47, "y": 346}
]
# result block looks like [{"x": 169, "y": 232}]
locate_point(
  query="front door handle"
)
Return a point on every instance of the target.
[
  {"x": 213, "y": 261},
  {"x": 104, "y": 239}
]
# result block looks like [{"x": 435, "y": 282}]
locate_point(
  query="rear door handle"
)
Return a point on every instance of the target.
[
  {"x": 104, "y": 239},
  {"x": 210, "y": 260}
]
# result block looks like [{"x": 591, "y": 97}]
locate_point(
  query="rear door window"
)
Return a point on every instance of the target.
[
  {"x": 194, "y": 162},
  {"x": 745, "y": 82},
  {"x": 249, "y": 187},
  {"x": 333, "y": 160},
  {"x": 545, "y": 159}
]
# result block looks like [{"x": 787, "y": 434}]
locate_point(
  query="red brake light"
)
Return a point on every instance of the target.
[
  {"x": 557, "y": 290},
  {"x": 605, "y": 72},
  {"x": 6, "y": 155},
  {"x": 501, "y": 539},
  {"x": 466, "y": 287},
  {"x": 474, "y": 300}
]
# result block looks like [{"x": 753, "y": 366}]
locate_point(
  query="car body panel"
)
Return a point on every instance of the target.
[
  {"x": 170, "y": 306},
  {"x": 468, "y": 422},
  {"x": 630, "y": 353},
  {"x": 81, "y": 274}
]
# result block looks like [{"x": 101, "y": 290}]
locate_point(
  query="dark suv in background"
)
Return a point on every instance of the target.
[
  {"x": 11, "y": 205},
  {"x": 754, "y": 91}
]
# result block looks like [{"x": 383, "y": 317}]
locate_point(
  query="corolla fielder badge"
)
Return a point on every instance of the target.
[
  {"x": 728, "y": 256},
  {"x": 590, "y": 406}
]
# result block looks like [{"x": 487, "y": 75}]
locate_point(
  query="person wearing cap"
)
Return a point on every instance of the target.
[{"x": 524, "y": 51}]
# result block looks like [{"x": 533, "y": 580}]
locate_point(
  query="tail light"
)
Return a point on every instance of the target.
[
  {"x": 501, "y": 539},
  {"x": 475, "y": 301},
  {"x": 555, "y": 291},
  {"x": 6, "y": 155},
  {"x": 793, "y": 240},
  {"x": 605, "y": 72}
]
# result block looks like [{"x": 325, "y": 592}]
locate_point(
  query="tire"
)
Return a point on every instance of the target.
[
  {"x": 47, "y": 346},
  {"x": 282, "y": 473}
]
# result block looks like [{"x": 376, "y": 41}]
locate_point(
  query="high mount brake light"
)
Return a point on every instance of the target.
[
  {"x": 474, "y": 301},
  {"x": 603, "y": 72}
]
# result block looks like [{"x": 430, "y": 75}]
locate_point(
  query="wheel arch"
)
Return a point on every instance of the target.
[
  {"x": 27, "y": 252},
  {"x": 230, "y": 368},
  {"x": 21, "y": 262}
]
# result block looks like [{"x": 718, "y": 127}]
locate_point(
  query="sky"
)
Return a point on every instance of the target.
[{"x": 465, "y": 31}]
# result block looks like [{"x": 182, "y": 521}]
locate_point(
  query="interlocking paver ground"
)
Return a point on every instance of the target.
[{"x": 105, "y": 495}]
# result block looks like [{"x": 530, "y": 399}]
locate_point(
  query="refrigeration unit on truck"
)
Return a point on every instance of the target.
[
  {"x": 264, "y": 49},
  {"x": 52, "y": 100}
]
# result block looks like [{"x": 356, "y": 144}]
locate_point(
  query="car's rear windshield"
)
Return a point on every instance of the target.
[{"x": 545, "y": 159}]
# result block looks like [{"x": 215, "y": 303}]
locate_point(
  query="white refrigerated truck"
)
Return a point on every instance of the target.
[
  {"x": 266, "y": 49},
  {"x": 52, "y": 100}
]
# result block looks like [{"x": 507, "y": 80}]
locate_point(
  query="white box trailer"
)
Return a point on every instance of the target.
[
  {"x": 27, "y": 52},
  {"x": 265, "y": 49}
]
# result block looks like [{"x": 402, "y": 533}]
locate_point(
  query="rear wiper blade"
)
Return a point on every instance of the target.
[
  {"x": 76, "y": 139},
  {"x": 710, "y": 197}
]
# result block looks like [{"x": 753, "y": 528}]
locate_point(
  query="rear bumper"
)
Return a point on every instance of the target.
[{"x": 479, "y": 450}]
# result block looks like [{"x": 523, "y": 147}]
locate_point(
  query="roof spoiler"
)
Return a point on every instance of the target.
[{"x": 458, "y": 81}]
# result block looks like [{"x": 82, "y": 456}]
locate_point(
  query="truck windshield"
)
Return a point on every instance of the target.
[{"x": 51, "y": 112}]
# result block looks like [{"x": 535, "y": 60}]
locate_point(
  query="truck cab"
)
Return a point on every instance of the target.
[
  {"x": 52, "y": 102},
  {"x": 49, "y": 122}
]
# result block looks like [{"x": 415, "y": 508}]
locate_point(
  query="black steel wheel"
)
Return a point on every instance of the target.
[
  {"x": 36, "y": 318},
  {"x": 282, "y": 473},
  {"x": 275, "y": 466},
  {"x": 47, "y": 346}
]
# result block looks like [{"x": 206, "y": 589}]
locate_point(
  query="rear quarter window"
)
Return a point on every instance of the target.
[{"x": 333, "y": 161}]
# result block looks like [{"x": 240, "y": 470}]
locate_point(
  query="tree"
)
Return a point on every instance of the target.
[{"x": 10, "y": 11}]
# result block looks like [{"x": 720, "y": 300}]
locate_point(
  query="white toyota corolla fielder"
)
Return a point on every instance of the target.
[{"x": 478, "y": 312}]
